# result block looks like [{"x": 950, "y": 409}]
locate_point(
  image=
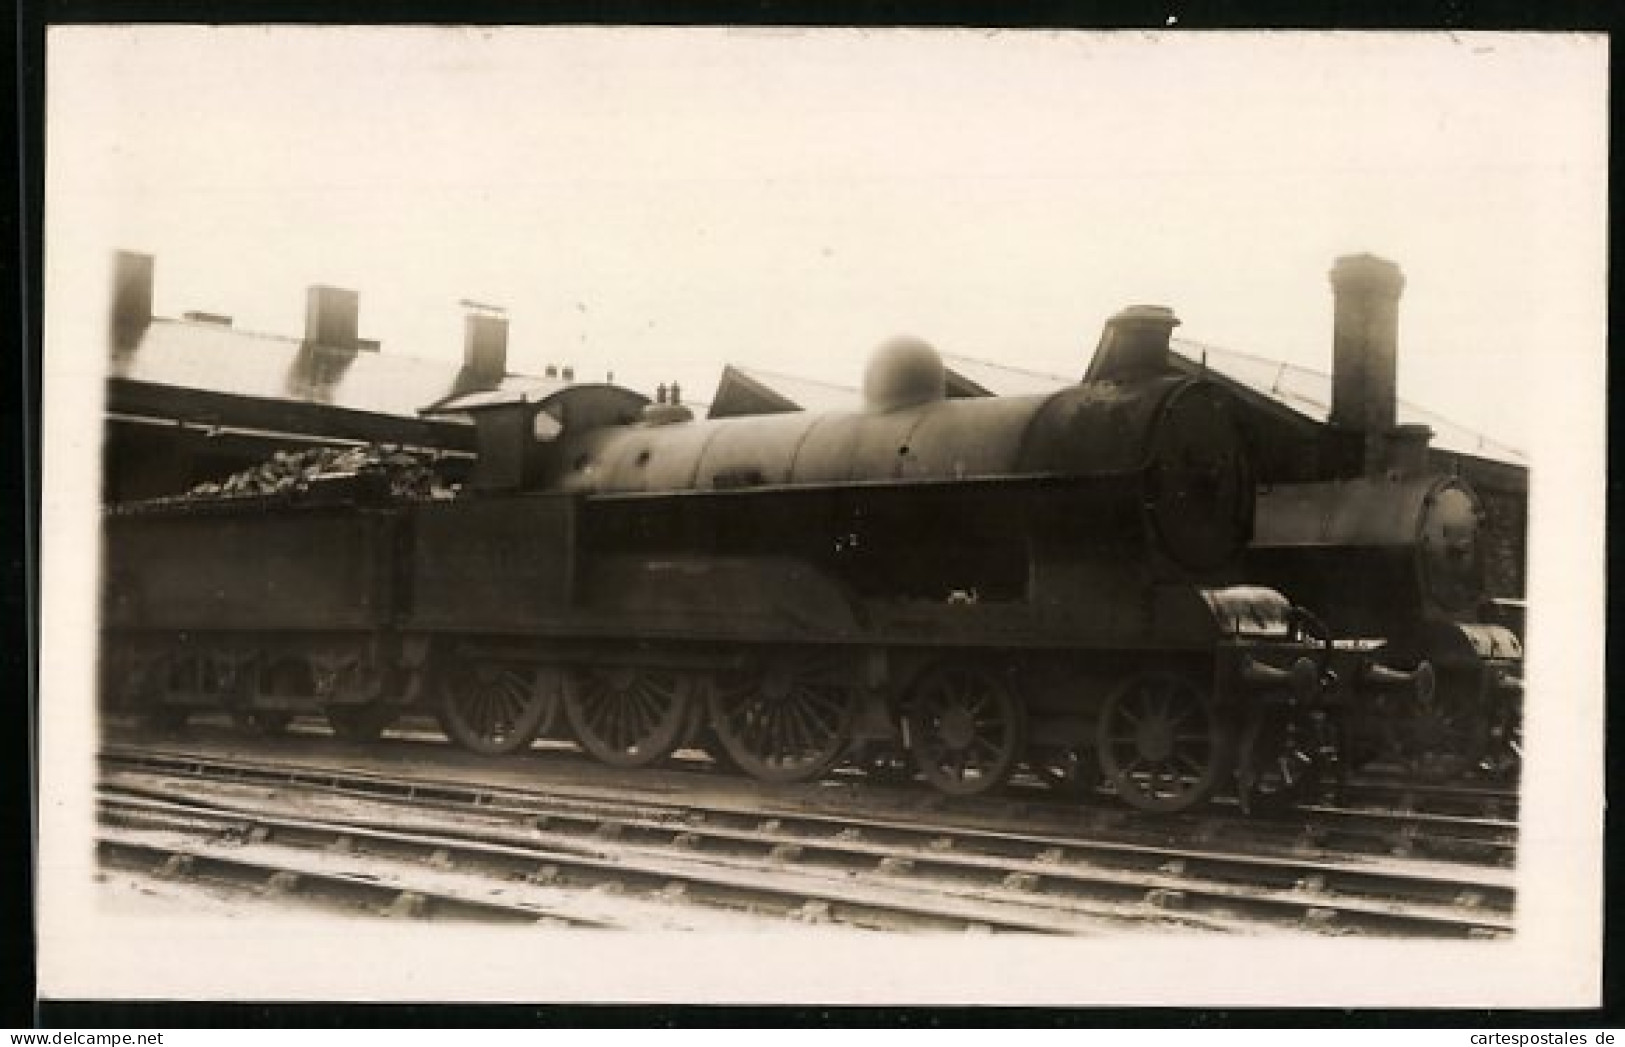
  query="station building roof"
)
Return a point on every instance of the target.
[
  {"x": 1308, "y": 392},
  {"x": 753, "y": 390},
  {"x": 209, "y": 357},
  {"x": 1302, "y": 392}
]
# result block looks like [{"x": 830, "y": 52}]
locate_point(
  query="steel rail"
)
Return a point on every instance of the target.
[
  {"x": 808, "y": 899},
  {"x": 1323, "y": 827},
  {"x": 1298, "y": 835},
  {"x": 1225, "y": 885},
  {"x": 283, "y": 877}
]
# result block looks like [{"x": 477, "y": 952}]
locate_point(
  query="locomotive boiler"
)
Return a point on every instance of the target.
[{"x": 976, "y": 583}]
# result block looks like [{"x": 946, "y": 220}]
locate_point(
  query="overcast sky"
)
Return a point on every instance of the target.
[{"x": 660, "y": 202}]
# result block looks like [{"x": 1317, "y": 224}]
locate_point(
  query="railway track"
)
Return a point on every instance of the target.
[
  {"x": 1032, "y": 881},
  {"x": 1401, "y": 794},
  {"x": 1382, "y": 815},
  {"x": 284, "y": 874},
  {"x": 408, "y": 864}
]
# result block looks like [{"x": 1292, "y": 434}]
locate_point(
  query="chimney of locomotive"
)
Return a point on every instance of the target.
[
  {"x": 485, "y": 346},
  {"x": 1365, "y": 352},
  {"x": 331, "y": 317},
  {"x": 1405, "y": 451},
  {"x": 1134, "y": 344},
  {"x": 132, "y": 297}
]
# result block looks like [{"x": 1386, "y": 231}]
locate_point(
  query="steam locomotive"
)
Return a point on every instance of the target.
[
  {"x": 1391, "y": 549},
  {"x": 1054, "y": 580},
  {"x": 1397, "y": 555}
]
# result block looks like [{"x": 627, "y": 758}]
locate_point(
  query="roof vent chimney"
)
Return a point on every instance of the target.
[
  {"x": 1134, "y": 344},
  {"x": 132, "y": 296},
  {"x": 1365, "y": 351},
  {"x": 331, "y": 317},
  {"x": 569, "y": 374},
  {"x": 485, "y": 346}
]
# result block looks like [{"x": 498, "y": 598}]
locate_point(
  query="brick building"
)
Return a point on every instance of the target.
[{"x": 195, "y": 398}]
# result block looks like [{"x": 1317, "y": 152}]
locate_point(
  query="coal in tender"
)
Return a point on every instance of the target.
[{"x": 380, "y": 470}]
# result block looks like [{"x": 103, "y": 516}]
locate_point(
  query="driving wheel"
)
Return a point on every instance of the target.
[
  {"x": 966, "y": 728},
  {"x": 1161, "y": 744},
  {"x": 788, "y": 722},
  {"x": 495, "y": 709},
  {"x": 629, "y": 716}
]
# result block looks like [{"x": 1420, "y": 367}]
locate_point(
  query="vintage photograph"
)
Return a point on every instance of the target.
[{"x": 582, "y": 514}]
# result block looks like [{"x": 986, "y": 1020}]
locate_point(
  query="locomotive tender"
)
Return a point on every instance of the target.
[{"x": 1051, "y": 579}]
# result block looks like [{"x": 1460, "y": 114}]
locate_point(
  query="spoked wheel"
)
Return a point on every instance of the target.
[
  {"x": 629, "y": 716},
  {"x": 496, "y": 709},
  {"x": 360, "y": 723},
  {"x": 1444, "y": 736},
  {"x": 1161, "y": 745},
  {"x": 787, "y": 723},
  {"x": 966, "y": 728}
]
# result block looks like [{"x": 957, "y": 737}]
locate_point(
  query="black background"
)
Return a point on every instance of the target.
[{"x": 22, "y": 36}]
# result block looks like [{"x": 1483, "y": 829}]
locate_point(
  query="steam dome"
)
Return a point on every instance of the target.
[{"x": 903, "y": 372}]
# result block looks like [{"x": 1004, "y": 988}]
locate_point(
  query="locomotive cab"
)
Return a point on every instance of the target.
[{"x": 518, "y": 432}]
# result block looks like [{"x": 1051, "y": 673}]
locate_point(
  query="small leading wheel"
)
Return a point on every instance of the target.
[
  {"x": 628, "y": 716},
  {"x": 1161, "y": 744},
  {"x": 787, "y": 723},
  {"x": 966, "y": 727},
  {"x": 1442, "y": 734},
  {"x": 495, "y": 709}
]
